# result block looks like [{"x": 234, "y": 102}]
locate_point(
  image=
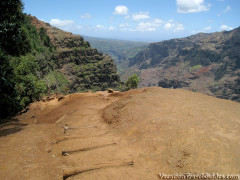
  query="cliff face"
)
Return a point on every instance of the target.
[
  {"x": 207, "y": 63},
  {"x": 83, "y": 66}
]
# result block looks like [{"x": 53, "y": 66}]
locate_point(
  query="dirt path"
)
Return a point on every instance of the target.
[
  {"x": 88, "y": 144},
  {"x": 132, "y": 135},
  {"x": 60, "y": 140}
]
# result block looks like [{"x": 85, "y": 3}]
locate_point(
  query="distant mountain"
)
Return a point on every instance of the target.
[
  {"x": 207, "y": 63},
  {"x": 119, "y": 50}
]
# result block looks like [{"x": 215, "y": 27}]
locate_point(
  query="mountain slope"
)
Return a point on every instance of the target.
[
  {"x": 83, "y": 66},
  {"x": 207, "y": 63},
  {"x": 119, "y": 50},
  {"x": 38, "y": 59}
]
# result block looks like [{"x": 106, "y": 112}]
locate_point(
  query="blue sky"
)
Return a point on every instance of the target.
[{"x": 138, "y": 20}]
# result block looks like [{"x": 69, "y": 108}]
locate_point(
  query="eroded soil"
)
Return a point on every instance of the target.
[{"x": 131, "y": 135}]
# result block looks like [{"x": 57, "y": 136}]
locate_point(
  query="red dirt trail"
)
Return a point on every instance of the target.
[{"x": 131, "y": 135}]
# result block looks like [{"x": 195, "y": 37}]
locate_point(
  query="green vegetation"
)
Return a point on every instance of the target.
[
  {"x": 132, "y": 82},
  {"x": 13, "y": 36},
  {"x": 195, "y": 67},
  {"x": 202, "y": 57},
  {"x": 84, "y": 66},
  {"x": 56, "y": 81},
  {"x": 151, "y": 56},
  {"x": 94, "y": 75},
  {"x": 220, "y": 71},
  {"x": 27, "y": 56},
  {"x": 31, "y": 66},
  {"x": 120, "y": 51}
]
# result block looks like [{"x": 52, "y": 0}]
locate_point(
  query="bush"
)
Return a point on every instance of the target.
[
  {"x": 28, "y": 86},
  {"x": 132, "y": 82},
  {"x": 56, "y": 82}
]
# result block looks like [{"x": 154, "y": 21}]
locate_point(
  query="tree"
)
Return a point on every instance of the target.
[
  {"x": 20, "y": 81},
  {"x": 7, "y": 91},
  {"x": 11, "y": 34},
  {"x": 11, "y": 19},
  {"x": 132, "y": 82}
]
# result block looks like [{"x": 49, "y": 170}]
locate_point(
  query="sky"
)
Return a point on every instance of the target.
[{"x": 137, "y": 20}]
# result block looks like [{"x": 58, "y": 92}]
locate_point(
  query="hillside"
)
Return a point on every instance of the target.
[
  {"x": 119, "y": 50},
  {"x": 122, "y": 135},
  {"x": 207, "y": 63},
  {"x": 38, "y": 59},
  {"x": 83, "y": 66}
]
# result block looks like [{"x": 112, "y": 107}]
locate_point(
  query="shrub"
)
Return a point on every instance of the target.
[{"x": 132, "y": 82}]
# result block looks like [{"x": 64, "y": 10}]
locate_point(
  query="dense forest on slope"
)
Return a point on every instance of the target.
[
  {"x": 207, "y": 63},
  {"x": 121, "y": 51},
  {"x": 27, "y": 56},
  {"x": 38, "y": 60}
]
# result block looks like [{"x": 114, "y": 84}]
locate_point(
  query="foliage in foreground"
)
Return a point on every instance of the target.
[{"x": 26, "y": 57}]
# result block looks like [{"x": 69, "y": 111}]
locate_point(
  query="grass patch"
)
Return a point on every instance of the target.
[{"x": 195, "y": 67}]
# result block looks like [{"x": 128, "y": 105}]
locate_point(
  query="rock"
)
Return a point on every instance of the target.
[
  {"x": 73, "y": 54},
  {"x": 60, "y": 97},
  {"x": 36, "y": 121},
  {"x": 110, "y": 90},
  {"x": 49, "y": 150},
  {"x": 205, "y": 61}
]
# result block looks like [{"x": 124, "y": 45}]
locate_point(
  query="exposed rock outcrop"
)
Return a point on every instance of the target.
[
  {"x": 83, "y": 66},
  {"x": 208, "y": 63}
]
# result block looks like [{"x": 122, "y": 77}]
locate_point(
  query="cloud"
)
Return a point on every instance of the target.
[
  {"x": 192, "y": 6},
  {"x": 61, "y": 23},
  {"x": 127, "y": 17},
  {"x": 193, "y": 32},
  {"x": 156, "y": 24},
  {"x": 79, "y": 27},
  {"x": 207, "y": 28},
  {"x": 225, "y": 28},
  {"x": 140, "y": 16},
  {"x": 123, "y": 25},
  {"x": 158, "y": 21},
  {"x": 148, "y": 26},
  {"x": 99, "y": 26},
  {"x": 111, "y": 28},
  {"x": 121, "y": 10},
  {"x": 67, "y": 25},
  {"x": 174, "y": 26},
  {"x": 228, "y": 8},
  {"x": 86, "y": 16},
  {"x": 145, "y": 26},
  {"x": 179, "y": 27},
  {"x": 168, "y": 26}
]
